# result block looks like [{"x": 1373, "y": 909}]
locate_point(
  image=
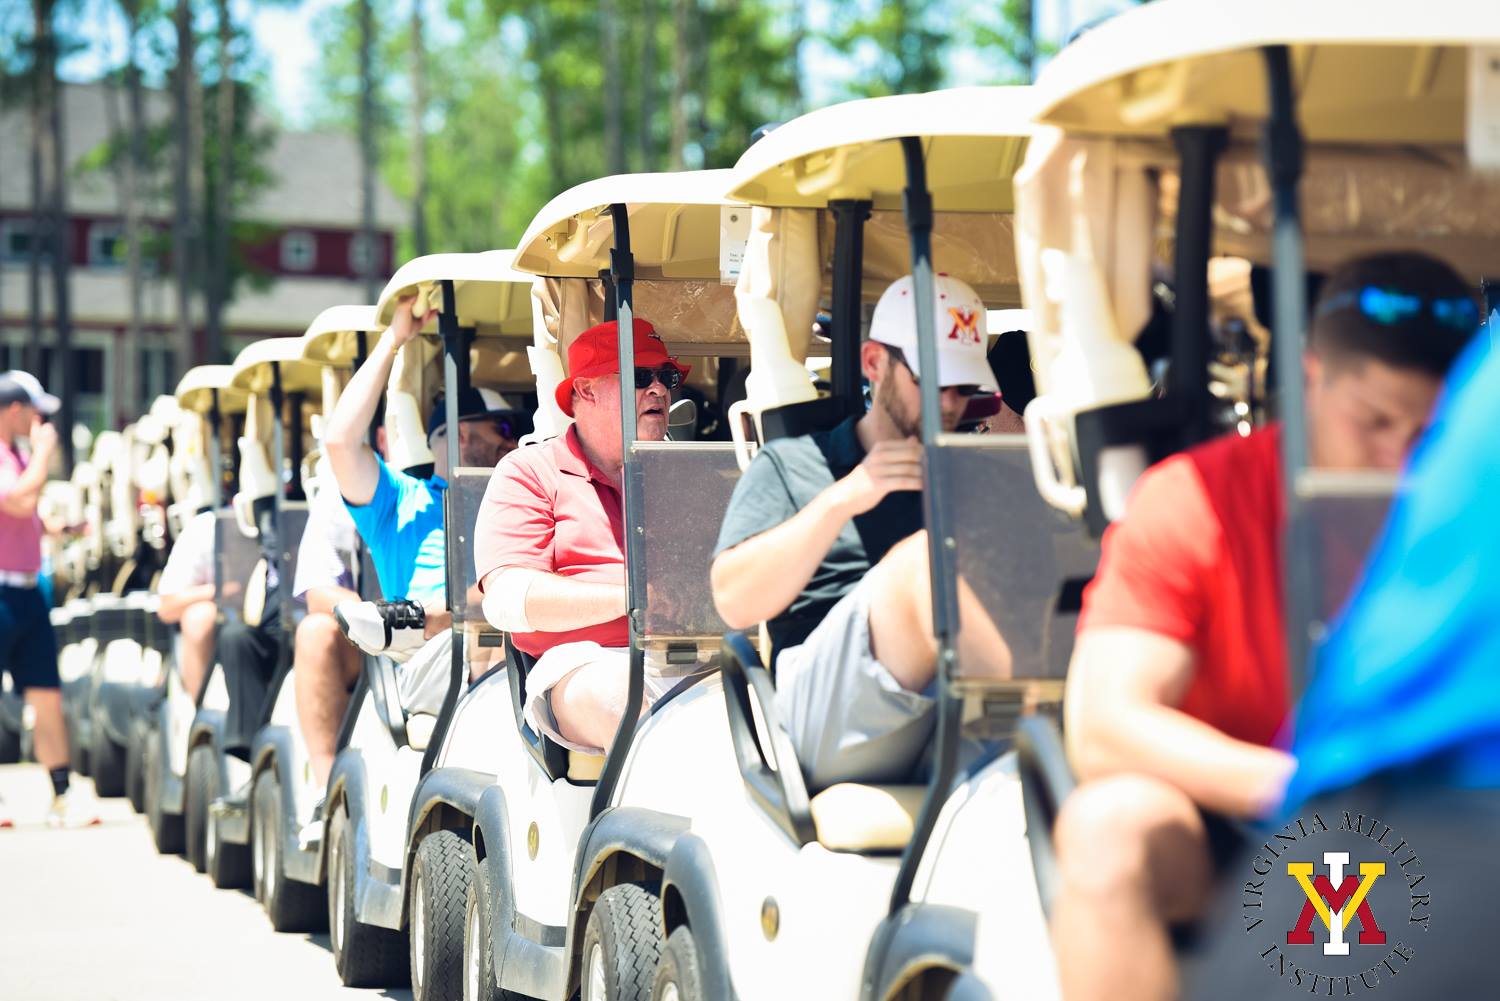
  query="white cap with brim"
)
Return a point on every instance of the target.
[
  {"x": 962, "y": 333},
  {"x": 17, "y": 386}
]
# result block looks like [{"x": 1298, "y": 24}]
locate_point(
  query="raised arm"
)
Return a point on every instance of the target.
[
  {"x": 21, "y": 499},
  {"x": 355, "y": 468},
  {"x": 759, "y": 578}
]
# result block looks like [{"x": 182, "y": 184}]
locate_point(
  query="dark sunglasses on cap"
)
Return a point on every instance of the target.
[
  {"x": 669, "y": 376},
  {"x": 1390, "y": 307},
  {"x": 966, "y": 389}
]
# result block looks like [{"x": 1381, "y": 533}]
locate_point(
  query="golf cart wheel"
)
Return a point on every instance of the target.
[
  {"x": 166, "y": 828},
  {"x": 365, "y": 955},
  {"x": 677, "y": 976},
  {"x": 227, "y": 864},
  {"x": 108, "y": 761},
  {"x": 10, "y": 745},
  {"x": 479, "y": 956},
  {"x": 135, "y": 766},
  {"x": 440, "y": 892},
  {"x": 201, "y": 783},
  {"x": 290, "y": 905},
  {"x": 622, "y": 944},
  {"x": 78, "y": 755}
]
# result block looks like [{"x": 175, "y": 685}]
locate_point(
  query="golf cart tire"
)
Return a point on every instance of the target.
[
  {"x": 135, "y": 766},
  {"x": 78, "y": 755},
  {"x": 200, "y": 779},
  {"x": 440, "y": 887},
  {"x": 365, "y": 955},
  {"x": 227, "y": 864},
  {"x": 291, "y": 906},
  {"x": 166, "y": 828},
  {"x": 624, "y": 929},
  {"x": 10, "y": 745},
  {"x": 679, "y": 968},
  {"x": 479, "y": 955},
  {"x": 108, "y": 760}
]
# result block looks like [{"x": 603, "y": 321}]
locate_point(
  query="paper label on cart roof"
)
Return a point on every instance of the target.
[
  {"x": 734, "y": 234},
  {"x": 1484, "y": 107}
]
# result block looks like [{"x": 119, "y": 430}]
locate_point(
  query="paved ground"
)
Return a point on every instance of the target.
[{"x": 96, "y": 914}]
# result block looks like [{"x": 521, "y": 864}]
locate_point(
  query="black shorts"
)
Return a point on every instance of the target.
[{"x": 28, "y": 646}]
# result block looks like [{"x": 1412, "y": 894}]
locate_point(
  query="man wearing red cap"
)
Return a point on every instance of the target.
[{"x": 549, "y": 541}]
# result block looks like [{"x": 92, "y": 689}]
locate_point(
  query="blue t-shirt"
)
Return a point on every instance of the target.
[
  {"x": 1408, "y": 676},
  {"x": 403, "y": 528}
]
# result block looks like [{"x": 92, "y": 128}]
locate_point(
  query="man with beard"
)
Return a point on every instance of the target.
[
  {"x": 823, "y": 542},
  {"x": 400, "y": 517}
]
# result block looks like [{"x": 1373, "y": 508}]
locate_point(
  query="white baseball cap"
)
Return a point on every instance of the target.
[
  {"x": 17, "y": 386},
  {"x": 959, "y": 319}
]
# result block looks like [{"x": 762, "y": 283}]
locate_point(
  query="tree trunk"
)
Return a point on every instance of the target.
[
  {"x": 682, "y": 31},
  {"x": 614, "y": 87},
  {"x": 216, "y": 289},
  {"x": 124, "y": 374},
  {"x": 135, "y": 161},
  {"x": 367, "y": 152},
  {"x": 418, "y": 131},
  {"x": 54, "y": 165},
  {"x": 557, "y": 136},
  {"x": 32, "y": 356},
  {"x": 649, "y": 74},
  {"x": 184, "y": 241}
]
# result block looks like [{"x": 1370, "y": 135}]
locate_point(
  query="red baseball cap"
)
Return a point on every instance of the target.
[{"x": 597, "y": 352}]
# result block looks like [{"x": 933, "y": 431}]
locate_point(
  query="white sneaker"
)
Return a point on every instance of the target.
[
  {"x": 72, "y": 809},
  {"x": 393, "y": 628},
  {"x": 6, "y": 820}
]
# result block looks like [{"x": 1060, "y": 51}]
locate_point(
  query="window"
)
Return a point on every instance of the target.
[
  {"x": 106, "y": 245},
  {"x": 299, "y": 251},
  {"x": 16, "y": 241},
  {"x": 364, "y": 254}
]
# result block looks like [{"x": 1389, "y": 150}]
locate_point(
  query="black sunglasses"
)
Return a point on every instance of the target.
[
  {"x": 899, "y": 357},
  {"x": 669, "y": 376}
]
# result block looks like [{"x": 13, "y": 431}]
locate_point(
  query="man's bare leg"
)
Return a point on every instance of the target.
[
  {"x": 1133, "y": 857},
  {"x": 589, "y": 702},
  {"x": 51, "y": 734},
  {"x": 326, "y": 666},
  {"x": 197, "y": 649}
]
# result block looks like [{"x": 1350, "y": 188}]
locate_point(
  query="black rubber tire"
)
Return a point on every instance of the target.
[
  {"x": 624, "y": 928},
  {"x": 135, "y": 765},
  {"x": 679, "y": 967},
  {"x": 479, "y": 956},
  {"x": 108, "y": 761},
  {"x": 365, "y": 955},
  {"x": 10, "y": 745},
  {"x": 166, "y": 828},
  {"x": 202, "y": 783},
  {"x": 78, "y": 755},
  {"x": 291, "y": 906},
  {"x": 227, "y": 865},
  {"x": 440, "y": 892}
]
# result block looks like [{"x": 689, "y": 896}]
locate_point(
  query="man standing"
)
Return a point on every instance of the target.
[{"x": 28, "y": 646}]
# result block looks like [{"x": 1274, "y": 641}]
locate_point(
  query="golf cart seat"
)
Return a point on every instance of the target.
[
  {"x": 556, "y": 761},
  {"x": 853, "y": 817}
]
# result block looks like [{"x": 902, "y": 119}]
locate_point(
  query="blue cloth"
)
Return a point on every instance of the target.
[
  {"x": 1410, "y": 675},
  {"x": 403, "y": 528}
]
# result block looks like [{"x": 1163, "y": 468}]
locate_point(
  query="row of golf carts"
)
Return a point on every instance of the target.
[{"x": 480, "y": 859}]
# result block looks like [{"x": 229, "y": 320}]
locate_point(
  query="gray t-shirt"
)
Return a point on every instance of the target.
[{"x": 784, "y": 477}]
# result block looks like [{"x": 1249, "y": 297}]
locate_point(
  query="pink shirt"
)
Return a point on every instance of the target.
[
  {"x": 20, "y": 538},
  {"x": 547, "y": 509}
]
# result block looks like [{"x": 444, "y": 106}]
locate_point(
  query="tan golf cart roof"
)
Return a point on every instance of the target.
[
  {"x": 492, "y": 297},
  {"x": 252, "y": 369},
  {"x": 674, "y": 226},
  {"x": 973, "y": 138},
  {"x": 332, "y": 338},
  {"x": 1387, "y": 73},
  {"x": 195, "y": 391}
]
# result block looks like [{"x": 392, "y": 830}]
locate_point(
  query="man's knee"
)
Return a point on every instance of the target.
[
  {"x": 1113, "y": 834},
  {"x": 317, "y": 634},
  {"x": 198, "y": 621}
]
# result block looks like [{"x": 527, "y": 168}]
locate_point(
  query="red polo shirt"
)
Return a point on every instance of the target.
[
  {"x": 547, "y": 508},
  {"x": 1197, "y": 558}
]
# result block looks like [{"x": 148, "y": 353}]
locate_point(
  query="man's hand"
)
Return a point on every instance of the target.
[
  {"x": 43, "y": 438},
  {"x": 404, "y": 324},
  {"x": 890, "y": 466}
]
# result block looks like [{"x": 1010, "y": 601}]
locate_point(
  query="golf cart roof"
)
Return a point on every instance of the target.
[
  {"x": 195, "y": 391},
  {"x": 331, "y": 338},
  {"x": 252, "y": 369},
  {"x": 492, "y": 297},
  {"x": 674, "y": 226},
  {"x": 974, "y": 138},
  {"x": 1399, "y": 77}
]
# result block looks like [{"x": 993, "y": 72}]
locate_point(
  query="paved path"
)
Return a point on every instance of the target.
[{"x": 96, "y": 914}]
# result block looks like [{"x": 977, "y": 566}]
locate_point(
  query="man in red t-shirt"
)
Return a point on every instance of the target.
[
  {"x": 549, "y": 541},
  {"x": 1177, "y": 690}
]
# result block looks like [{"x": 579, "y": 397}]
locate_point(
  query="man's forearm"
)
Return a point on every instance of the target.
[
  {"x": 322, "y": 599},
  {"x": 556, "y": 604},
  {"x": 761, "y": 577},
  {"x": 355, "y": 469},
  {"x": 1216, "y": 771},
  {"x": 171, "y": 606},
  {"x": 26, "y": 493}
]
